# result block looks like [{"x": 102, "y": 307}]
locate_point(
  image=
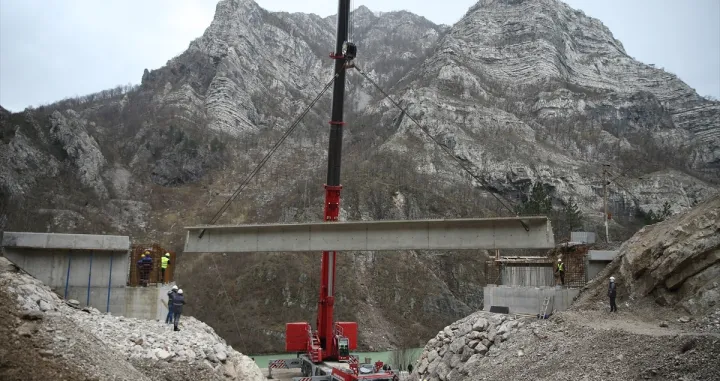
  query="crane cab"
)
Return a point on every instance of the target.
[{"x": 343, "y": 348}]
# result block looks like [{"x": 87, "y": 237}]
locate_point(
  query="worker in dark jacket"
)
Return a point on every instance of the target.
[
  {"x": 144, "y": 267},
  {"x": 171, "y": 296},
  {"x": 612, "y": 292},
  {"x": 147, "y": 266},
  {"x": 178, "y": 303}
]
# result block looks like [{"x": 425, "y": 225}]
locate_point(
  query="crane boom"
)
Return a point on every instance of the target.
[
  {"x": 325, "y": 326},
  {"x": 330, "y": 341}
]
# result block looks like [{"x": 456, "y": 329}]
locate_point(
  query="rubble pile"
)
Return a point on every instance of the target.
[
  {"x": 462, "y": 344},
  {"x": 146, "y": 346},
  {"x": 156, "y": 341}
]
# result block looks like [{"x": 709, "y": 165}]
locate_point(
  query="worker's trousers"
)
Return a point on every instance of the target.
[
  {"x": 176, "y": 318},
  {"x": 169, "y": 318},
  {"x": 613, "y": 307}
]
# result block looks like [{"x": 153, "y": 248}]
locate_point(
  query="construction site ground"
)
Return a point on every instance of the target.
[{"x": 642, "y": 342}]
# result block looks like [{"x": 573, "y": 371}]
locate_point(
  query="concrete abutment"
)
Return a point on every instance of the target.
[{"x": 92, "y": 269}]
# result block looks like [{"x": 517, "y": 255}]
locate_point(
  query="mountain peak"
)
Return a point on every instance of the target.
[
  {"x": 233, "y": 8},
  {"x": 363, "y": 10}
]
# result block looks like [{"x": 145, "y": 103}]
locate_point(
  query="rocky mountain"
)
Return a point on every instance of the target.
[
  {"x": 566, "y": 98},
  {"x": 522, "y": 92}
]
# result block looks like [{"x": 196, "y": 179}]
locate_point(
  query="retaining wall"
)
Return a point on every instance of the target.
[{"x": 528, "y": 300}]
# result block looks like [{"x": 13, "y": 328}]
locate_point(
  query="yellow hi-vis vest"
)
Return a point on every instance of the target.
[
  {"x": 164, "y": 263},
  {"x": 559, "y": 267}
]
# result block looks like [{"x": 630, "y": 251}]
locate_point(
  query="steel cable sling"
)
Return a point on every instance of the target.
[
  {"x": 244, "y": 184},
  {"x": 262, "y": 162}
]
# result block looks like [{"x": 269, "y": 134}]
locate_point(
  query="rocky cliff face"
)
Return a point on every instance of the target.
[
  {"x": 529, "y": 91},
  {"x": 524, "y": 92}
]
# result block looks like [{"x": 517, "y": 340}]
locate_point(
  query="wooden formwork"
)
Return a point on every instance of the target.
[{"x": 156, "y": 253}]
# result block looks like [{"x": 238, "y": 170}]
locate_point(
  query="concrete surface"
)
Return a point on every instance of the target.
[
  {"x": 596, "y": 260},
  {"x": 65, "y": 241},
  {"x": 527, "y": 300},
  {"x": 456, "y": 234},
  {"x": 593, "y": 269},
  {"x": 63, "y": 270},
  {"x": 582, "y": 237},
  {"x": 602, "y": 255},
  {"x": 146, "y": 302}
]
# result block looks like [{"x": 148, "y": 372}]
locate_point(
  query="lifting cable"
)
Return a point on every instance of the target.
[
  {"x": 444, "y": 148},
  {"x": 227, "y": 299},
  {"x": 244, "y": 184},
  {"x": 262, "y": 162}
]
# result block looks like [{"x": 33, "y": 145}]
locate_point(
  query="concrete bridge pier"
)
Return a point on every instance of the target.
[{"x": 92, "y": 269}]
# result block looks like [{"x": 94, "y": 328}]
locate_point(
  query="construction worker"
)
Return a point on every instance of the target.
[
  {"x": 146, "y": 267},
  {"x": 612, "y": 292},
  {"x": 163, "y": 266},
  {"x": 171, "y": 296},
  {"x": 141, "y": 277},
  {"x": 142, "y": 265},
  {"x": 178, "y": 303},
  {"x": 410, "y": 368},
  {"x": 560, "y": 270}
]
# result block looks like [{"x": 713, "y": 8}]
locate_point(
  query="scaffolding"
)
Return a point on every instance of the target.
[
  {"x": 539, "y": 271},
  {"x": 156, "y": 253},
  {"x": 573, "y": 257}
]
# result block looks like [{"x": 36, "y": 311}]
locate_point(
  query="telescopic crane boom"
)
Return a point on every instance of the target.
[{"x": 331, "y": 341}]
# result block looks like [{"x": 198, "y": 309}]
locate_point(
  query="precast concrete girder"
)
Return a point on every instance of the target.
[
  {"x": 453, "y": 234},
  {"x": 61, "y": 241}
]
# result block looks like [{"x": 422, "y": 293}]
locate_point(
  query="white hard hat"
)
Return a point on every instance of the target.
[
  {"x": 174, "y": 287},
  {"x": 612, "y": 278},
  {"x": 559, "y": 260},
  {"x": 180, "y": 291}
]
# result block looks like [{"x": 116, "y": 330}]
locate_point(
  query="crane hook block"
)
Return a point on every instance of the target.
[{"x": 349, "y": 51}]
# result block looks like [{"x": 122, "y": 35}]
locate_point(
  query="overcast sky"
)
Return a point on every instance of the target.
[{"x": 51, "y": 49}]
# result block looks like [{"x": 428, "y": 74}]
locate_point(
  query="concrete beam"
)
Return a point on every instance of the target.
[
  {"x": 65, "y": 241},
  {"x": 455, "y": 234}
]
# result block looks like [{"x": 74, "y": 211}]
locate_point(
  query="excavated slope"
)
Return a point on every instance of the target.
[{"x": 675, "y": 262}]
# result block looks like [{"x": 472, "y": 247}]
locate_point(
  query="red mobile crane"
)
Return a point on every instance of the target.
[{"x": 331, "y": 341}]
